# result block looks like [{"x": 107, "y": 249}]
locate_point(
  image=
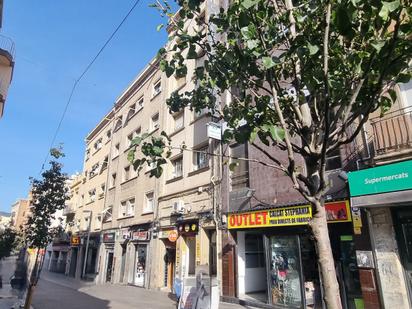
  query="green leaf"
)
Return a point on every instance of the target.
[
  {"x": 343, "y": 20},
  {"x": 268, "y": 62},
  {"x": 247, "y": 4},
  {"x": 313, "y": 49},
  {"x": 130, "y": 156},
  {"x": 388, "y": 7},
  {"x": 192, "y": 54},
  {"x": 278, "y": 134},
  {"x": 136, "y": 141},
  {"x": 233, "y": 165},
  {"x": 378, "y": 45},
  {"x": 159, "y": 27},
  {"x": 251, "y": 44},
  {"x": 253, "y": 135}
]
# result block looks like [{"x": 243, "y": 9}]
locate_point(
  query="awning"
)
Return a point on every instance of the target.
[{"x": 398, "y": 198}]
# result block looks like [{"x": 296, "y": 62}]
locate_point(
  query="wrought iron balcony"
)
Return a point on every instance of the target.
[{"x": 392, "y": 134}]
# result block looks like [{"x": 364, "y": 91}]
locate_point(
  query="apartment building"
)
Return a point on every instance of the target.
[
  {"x": 382, "y": 190},
  {"x": 7, "y": 57},
  {"x": 85, "y": 209},
  {"x": 20, "y": 211},
  {"x": 130, "y": 206}
]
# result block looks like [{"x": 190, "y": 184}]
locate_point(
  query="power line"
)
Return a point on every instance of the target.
[{"x": 81, "y": 76}]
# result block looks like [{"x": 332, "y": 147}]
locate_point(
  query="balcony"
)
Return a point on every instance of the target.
[
  {"x": 69, "y": 209},
  {"x": 6, "y": 68},
  {"x": 392, "y": 134}
]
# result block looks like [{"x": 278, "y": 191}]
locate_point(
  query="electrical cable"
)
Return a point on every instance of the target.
[{"x": 81, "y": 76}]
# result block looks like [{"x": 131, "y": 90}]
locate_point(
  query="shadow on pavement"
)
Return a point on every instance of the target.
[{"x": 48, "y": 295}]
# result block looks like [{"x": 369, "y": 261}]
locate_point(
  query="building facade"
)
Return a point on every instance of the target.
[
  {"x": 126, "y": 252},
  {"x": 7, "y": 55},
  {"x": 381, "y": 191},
  {"x": 20, "y": 211}
]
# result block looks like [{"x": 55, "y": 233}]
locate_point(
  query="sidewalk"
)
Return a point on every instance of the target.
[{"x": 57, "y": 290}]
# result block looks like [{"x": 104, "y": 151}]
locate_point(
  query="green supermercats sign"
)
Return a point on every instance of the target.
[{"x": 386, "y": 178}]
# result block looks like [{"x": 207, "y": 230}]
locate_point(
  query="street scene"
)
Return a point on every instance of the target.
[{"x": 206, "y": 154}]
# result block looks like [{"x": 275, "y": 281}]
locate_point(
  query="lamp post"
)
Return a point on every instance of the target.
[{"x": 87, "y": 242}]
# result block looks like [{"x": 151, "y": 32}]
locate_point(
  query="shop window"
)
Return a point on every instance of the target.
[
  {"x": 333, "y": 160},
  {"x": 191, "y": 246},
  {"x": 254, "y": 251},
  {"x": 239, "y": 177}
]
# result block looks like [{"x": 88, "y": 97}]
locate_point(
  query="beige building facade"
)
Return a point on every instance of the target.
[
  {"x": 126, "y": 250},
  {"x": 20, "y": 211}
]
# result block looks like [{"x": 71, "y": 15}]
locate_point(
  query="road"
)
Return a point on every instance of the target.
[{"x": 58, "y": 291}]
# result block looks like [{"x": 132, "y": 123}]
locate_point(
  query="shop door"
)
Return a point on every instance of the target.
[
  {"x": 140, "y": 265},
  {"x": 285, "y": 279},
  {"x": 73, "y": 263},
  {"x": 123, "y": 263},
  {"x": 109, "y": 267},
  {"x": 170, "y": 257},
  {"x": 403, "y": 227}
]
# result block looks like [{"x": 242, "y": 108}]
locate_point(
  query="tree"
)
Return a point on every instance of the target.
[
  {"x": 7, "y": 242},
  {"x": 49, "y": 195},
  {"x": 302, "y": 76}
]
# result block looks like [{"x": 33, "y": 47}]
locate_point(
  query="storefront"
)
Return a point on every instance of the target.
[
  {"x": 276, "y": 259},
  {"x": 384, "y": 194},
  {"x": 108, "y": 239},
  {"x": 140, "y": 247},
  {"x": 169, "y": 237}
]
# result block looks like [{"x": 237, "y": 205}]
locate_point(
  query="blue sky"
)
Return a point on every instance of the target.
[{"x": 55, "y": 40}]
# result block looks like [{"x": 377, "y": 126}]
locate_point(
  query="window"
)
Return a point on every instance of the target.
[
  {"x": 109, "y": 135},
  {"x": 333, "y": 161},
  {"x": 149, "y": 203},
  {"x": 102, "y": 190},
  {"x": 94, "y": 170},
  {"x": 92, "y": 195},
  {"x": 239, "y": 177},
  {"x": 87, "y": 154},
  {"x": 82, "y": 200},
  {"x": 254, "y": 252},
  {"x": 98, "y": 144},
  {"x": 140, "y": 103},
  {"x": 104, "y": 164},
  {"x": 113, "y": 180},
  {"x": 157, "y": 88},
  {"x": 116, "y": 150},
  {"x": 178, "y": 121},
  {"x": 126, "y": 173},
  {"x": 201, "y": 157},
  {"x": 108, "y": 214},
  {"x": 118, "y": 125},
  {"x": 177, "y": 167},
  {"x": 129, "y": 140},
  {"x": 127, "y": 208},
  {"x": 132, "y": 111},
  {"x": 154, "y": 124}
]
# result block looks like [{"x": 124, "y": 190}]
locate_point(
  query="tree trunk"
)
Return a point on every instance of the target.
[{"x": 319, "y": 227}]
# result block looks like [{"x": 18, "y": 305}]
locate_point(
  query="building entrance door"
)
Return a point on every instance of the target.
[
  {"x": 140, "y": 265},
  {"x": 109, "y": 268},
  {"x": 403, "y": 227}
]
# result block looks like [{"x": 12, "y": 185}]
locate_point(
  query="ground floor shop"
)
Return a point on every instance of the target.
[
  {"x": 125, "y": 256},
  {"x": 384, "y": 195},
  {"x": 275, "y": 260},
  {"x": 56, "y": 257}
]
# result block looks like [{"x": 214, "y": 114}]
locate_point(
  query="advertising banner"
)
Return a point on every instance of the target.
[{"x": 288, "y": 216}]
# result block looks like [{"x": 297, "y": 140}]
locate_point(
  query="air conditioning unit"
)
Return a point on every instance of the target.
[{"x": 179, "y": 207}]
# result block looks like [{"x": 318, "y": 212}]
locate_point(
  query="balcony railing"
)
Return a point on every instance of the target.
[
  {"x": 393, "y": 132},
  {"x": 7, "y": 44}
]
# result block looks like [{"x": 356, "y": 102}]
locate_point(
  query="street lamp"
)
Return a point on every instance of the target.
[{"x": 87, "y": 241}]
